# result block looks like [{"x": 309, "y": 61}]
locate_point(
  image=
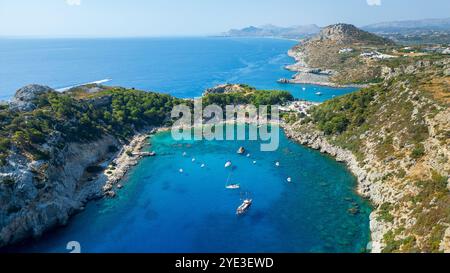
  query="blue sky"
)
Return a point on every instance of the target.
[{"x": 196, "y": 17}]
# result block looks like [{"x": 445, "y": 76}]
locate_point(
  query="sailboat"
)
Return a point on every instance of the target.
[{"x": 231, "y": 186}]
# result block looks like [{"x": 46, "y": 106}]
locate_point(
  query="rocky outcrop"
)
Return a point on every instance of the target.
[
  {"x": 28, "y": 206},
  {"x": 24, "y": 97},
  {"x": 345, "y": 34}
]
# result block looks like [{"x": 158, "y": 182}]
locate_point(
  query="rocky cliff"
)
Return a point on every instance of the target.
[
  {"x": 53, "y": 146},
  {"x": 394, "y": 137},
  {"x": 29, "y": 207}
]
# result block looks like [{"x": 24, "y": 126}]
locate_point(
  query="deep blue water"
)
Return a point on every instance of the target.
[
  {"x": 162, "y": 210},
  {"x": 183, "y": 67}
]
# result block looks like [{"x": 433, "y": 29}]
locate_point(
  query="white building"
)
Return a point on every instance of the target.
[
  {"x": 345, "y": 50},
  {"x": 376, "y": 55}
]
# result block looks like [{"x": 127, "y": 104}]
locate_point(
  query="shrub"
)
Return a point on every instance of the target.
[
  {"x": 385, "y": 213},
  {"x": 418, "y": 152}
]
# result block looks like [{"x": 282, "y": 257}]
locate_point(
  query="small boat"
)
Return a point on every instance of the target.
[
  {"x": 193, "y": 160},
  {"x": 319, "y": 93},
  {"x": 244, "y": 207},
  {"x": 184, "y": 154},
  {"x": 289, "y": 180},
  {"x": 181, "y": 171},
  {"x": 203, "y": 165},
  {"x": 241, "y": 150},
  {"x": 248, "y": 155},
  {"x": 254, "y": 162},
  {"x": 304, "y": 88},
  {"x": 228, "y": 164},
  {"x": 277, "y": 164},
  {"x": 233, "y": 187}
]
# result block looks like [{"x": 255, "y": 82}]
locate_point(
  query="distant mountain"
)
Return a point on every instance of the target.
[
  {"x": 410, "y": 26},
  {"x": 295, "y": 32},
  {"x": 427, "y": 31}
]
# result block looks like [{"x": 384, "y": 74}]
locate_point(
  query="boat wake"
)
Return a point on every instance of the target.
[{"x": 81, "y": 84}]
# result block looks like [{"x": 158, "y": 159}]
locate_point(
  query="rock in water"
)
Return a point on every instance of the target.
[{"x": 24, "y": 98}]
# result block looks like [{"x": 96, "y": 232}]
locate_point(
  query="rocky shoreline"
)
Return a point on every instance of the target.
[
  {"x": 129, "y": 156},
  {"x": 306, "y": 75},
  {"x": 72, "y": 182},
  {"x": 366, "y": 188}
]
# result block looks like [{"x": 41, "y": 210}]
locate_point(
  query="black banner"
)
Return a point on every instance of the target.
[{"x": 225, "y": 262}]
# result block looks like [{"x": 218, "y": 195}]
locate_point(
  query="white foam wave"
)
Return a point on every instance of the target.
[{"x": 73, "y": 86}]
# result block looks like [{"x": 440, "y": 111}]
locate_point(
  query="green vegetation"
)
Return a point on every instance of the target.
[
  {"x": 393, "y": 245},
  {"x": 342, "y": 114},
  {"x": 385, "y": 213},
  {"x": 80, "y": 116},
  {"x": 433, "y": 209},
  {"x": 418, "y": 151},
  {"x": 250, "y": 96},
  {"x": 389, "y": 123},
  {"x": 76, "y": 119}
]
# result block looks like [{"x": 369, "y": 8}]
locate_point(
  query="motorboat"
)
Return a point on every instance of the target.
[{"x": 242, "y": 209}]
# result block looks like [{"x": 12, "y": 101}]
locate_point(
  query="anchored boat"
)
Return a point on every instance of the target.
[
  {"x": 244, "y": 207},
  {"x": 233, "y": 187}
]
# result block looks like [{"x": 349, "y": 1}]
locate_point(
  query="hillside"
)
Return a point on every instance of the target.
[
  {"x": 333, "y": 57},
  {"x": 395, "y": 137}
]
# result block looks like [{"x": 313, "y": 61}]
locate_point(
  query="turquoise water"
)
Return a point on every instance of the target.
[
  {"x": 183, "y": 67},
  {"x": 163, "y": 210}
]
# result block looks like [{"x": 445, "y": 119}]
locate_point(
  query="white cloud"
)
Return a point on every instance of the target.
[
  {"x": 73, "y": 2},
  {"x": 374, "y": 2}
]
